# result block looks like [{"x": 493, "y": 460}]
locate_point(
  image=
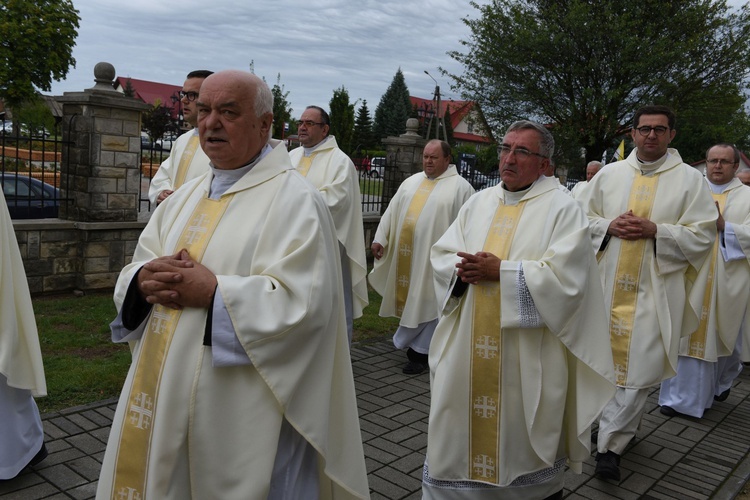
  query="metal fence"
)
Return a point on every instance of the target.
[{"x": 30, "y": 171}]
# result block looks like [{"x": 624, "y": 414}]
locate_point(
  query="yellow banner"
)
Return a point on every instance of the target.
[
  {"x": 135, "y": 437},
  {"x": 487, "y": 352}
]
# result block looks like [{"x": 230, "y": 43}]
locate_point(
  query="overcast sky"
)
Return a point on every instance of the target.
[{"x": 315, "y": 46}]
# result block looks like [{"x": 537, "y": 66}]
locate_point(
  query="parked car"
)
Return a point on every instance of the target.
[
  {"x": 29, "y": 198},
  {"x": 146, "y": 141},
  {"x": 7, "y": 127},
  {"x": 165, "y": 143},
  {"x": 377, "y": 167}
]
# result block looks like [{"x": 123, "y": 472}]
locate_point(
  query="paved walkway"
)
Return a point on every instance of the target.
[{"x": 678, "y": 458}]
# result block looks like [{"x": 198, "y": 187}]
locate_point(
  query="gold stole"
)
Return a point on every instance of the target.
[
  {"x": 698, "y": 338},
  {"x": 135, "y": 437},
  {"x": 186, "y": 159},
  {"x": 486, "y": 341},
  {"x": 305, "y": 163},
  {"x": 406, "y": 241},
  {"x": 627, "y": 278}
]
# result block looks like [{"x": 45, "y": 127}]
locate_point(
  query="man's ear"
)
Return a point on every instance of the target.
[{"x": 266, "y": 122}]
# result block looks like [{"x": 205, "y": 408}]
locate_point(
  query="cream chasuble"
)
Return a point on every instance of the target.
[
  {"x": 133, "y": 457},
  {"x": 186, "y": 161},
  {"x": 20, "y": 355},
  {"x": 512, "y": 401},
  {"x": 409, "y": 293},
  {"x": 333, "y": 174},
  {"x": 653, "y": 315},
  {"x": 214, "y": 430}
]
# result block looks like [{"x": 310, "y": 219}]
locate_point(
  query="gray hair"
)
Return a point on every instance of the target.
[
  {"x": 546, "y": 141},
  {"x": 263, "y": 100},
  {"x": 594, "y": 163}
]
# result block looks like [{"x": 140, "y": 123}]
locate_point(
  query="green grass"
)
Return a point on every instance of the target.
[
  {"x": 82, "y": 365},
  {"x": 371, "y": 186}
]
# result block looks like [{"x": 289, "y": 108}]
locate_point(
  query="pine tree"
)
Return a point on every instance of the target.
[
  {"x": 363, "y": 137},
  {"x": 394, "y": 109},
  {"x": 342, "y": 119},
  {"x": 282, "y": 112}
]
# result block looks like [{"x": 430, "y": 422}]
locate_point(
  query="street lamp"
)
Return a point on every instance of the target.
[{"x": 440, "y": 119}]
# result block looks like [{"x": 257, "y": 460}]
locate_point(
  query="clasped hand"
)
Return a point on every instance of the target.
[
  {"x": 177, "y": 281},
  {"x": 629, "y": 226},
  {"x": 481, "y": 266}
]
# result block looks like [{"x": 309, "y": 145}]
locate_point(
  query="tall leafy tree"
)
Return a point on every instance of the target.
[
  {"x": 393, "y": 109},
  {"x": 36, "y": 46},
  {"x": 342, "y": 119},
  {"x": 157, "y": 120},
  {"x": 585, "y": 66},
  {"x": 363, "y": 137},
  {"x": 282, "y": 111}
]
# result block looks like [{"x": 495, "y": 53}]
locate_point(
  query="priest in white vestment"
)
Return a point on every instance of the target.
[
  {"x": 653, "y": 223},
  {"x": 520, "y": 367},
  {"x": 241, "y": 385},
  {"x": 592, "y": 168},
  {"x": 21, "y": 369},
  {"x": 332, "y": 172},
  {"x": 424, "y": 206},
  {"x": 186, "y": 160},
  {"x": 709, "y": 359}
]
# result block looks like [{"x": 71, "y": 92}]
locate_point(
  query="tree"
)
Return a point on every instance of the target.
[
  {"x": 128, "y": 90},
  {"x": 157, "y": 120},
  {"x": 394, "y": 109},
  {"x": 282, "y": 112},
  {"x": 342, "y": 119},
  {"x": 585, "y": 66},
  {"x": 35, "y": 116},
  {"x": 363, "y": 137},
  {"x": 36, "y": 46}
]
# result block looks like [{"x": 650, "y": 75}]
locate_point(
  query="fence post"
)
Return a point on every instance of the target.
[{"x": 405, "y": 153}]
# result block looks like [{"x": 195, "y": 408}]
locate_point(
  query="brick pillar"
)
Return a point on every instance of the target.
[
  {"x": 405, "y": 152},
  {"x": 101, "y": 167}
]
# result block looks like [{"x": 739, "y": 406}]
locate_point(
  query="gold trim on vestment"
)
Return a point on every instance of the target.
[
  {"x": 406, "y": 242},
  {"x": 627, "y": 277},
  {"x": 132, "y": 462},
  {"x": 486, "y": 342},
  {"x": 698, "y": 338},
  {"x": 305, "y": 163},
  {"x": 186, "y": 159}
]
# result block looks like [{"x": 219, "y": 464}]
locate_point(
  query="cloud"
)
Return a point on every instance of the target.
[{"x": 316, "y": 49}]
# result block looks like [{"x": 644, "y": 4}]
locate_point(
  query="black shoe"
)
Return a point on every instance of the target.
[
  {"x": 608, "y": 466},
  {"x": 595, "y": 437},
  {"x": 723, "y": 396},
  {"x": 40, "y": 455},
  {"x": 668, "y": 411},
  {"x": 415, "y": 368}
]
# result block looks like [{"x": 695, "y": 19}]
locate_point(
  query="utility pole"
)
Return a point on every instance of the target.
[{"x": 440, "y": 119}]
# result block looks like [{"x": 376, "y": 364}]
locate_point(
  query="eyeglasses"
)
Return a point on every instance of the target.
[
  {"x": 308, "y": 123},
  {"x": 521, "y": 153},
  {"x": 723, "y": 163},
  {"x": 646, "y": 130},
  {"x": 190, "y": 96}
]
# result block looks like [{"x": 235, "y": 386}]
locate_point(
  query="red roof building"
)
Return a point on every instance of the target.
[
  {"x": 151, "y": 92},
  {"x": 467, "y": 120}
]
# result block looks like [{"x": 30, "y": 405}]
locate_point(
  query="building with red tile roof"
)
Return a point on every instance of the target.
[
  {"x": 151, "y": 92},
  {"x": 467, "y": 120}
]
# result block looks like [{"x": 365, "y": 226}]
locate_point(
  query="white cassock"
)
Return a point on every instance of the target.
[
  {"x": 646, "y": 282},
  {"x": 552, "y": 359},
  {"x": 21, "y": 369},
  {"x": 449, "y": 193},
  {"x": 692, "y": 390},
  {"x": 333, "y": 174},
  {"x": 186, "y": 161},
  {"x": 578, "y": 189},
  {"x": 199, "y": 422}
]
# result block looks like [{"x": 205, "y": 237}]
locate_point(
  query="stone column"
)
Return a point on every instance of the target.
[
  {"x": 405, "y": 153},
  {"x": 101, "y": 174}
]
